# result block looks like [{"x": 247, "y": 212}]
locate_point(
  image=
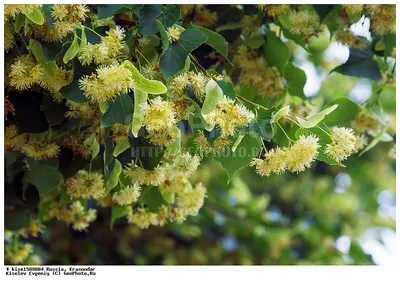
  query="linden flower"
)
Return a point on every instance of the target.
[
  {"x": 181, "y": 164},
  {"x": 229, "y": 117},
  {"x": 120, "y": 132},
  {"x": 159, "y": 115},
  {"x": 162, "y": 138},
  {"x": 85, "y": 185},
  {"x": 304, "y": 22},
  {"x": 54, "y": 83},
  {"x": 141, "y": 218},
  {"x": 174, "y": 183},
  {"x": 202, "y": 142},
  {"x": 81, "y": 217},
  {"x": 128, "y": 195},
  {"x": 17, "y": 254},
  {"x": 182, "y": 108},
  {"x": 37, "y": 150},
  {"x": 198, "y": 82},
  {"x": 25, "y": 72},
  {"x": 109, "y": 82},
  {"x": 9, "y": 41},
  {"x": 302, "y": 153},
  {"x": 361, "y": 142},
  {"x": 275, "y": 161},
  {"x": 59, "y": 11},
  {"x": 352, "y": 9},
  {"x": 143, "y": 176},
  {"x": 174, "y": 33},
  {"x": 161, "y": 217},
  {"x": 205, "y": 17},
  {"x": 221, "y": 143},
  {"x": 383, "y": 18},
  {"x": 109, "y": 48},
  {"x": 179, "y": 83},
  {"x": 274, "y": 11},
  {"x": 191, "y": 200},
  {"x": 343, "y": 145},
  {"x": 347, "y": 37},
  {"x": 12, "y": 10}
]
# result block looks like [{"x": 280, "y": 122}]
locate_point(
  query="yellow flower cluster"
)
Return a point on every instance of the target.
[
  {"x": 17, "y": 253},
  {"x": 12, "y": 10},
  {"x": 383, "y": 18},
  {"x": 140, "y": 175},
  {"x": 174, "y": 33},
  {"x": 365, "y": 122},
  {"x": 343, "y": 145},
  {"x": 85, "y": 185},
  {"x": 25, "y": 72},
  {"x": 127, "y": 195},
  {"x": 119, "y": 132},
  {"x": 109, "y": 82},
  {"x": 361, "y": 142},
  {"x": 348, "y": 38},
  {"x": 33, "y": 229},
  {"x": 182, "y": 108},
  {"x": 75, "y": 143},
  {"x": 38, "y": 150},
  {"x": 159, "y": 116},
  {"x": 106, "y": 51},
  {"x": 85, "y": 111},
  {"x": 267, "y": 81},
  {"x": 12, "y": 139},
  {"x": 196, "y": 80},
  {"x": 294, "y": 159},
  {"x": 143, "y": 218},
  {"x": 273, "y": 11},
  {"x": 191, "y": 200},
  {"x": 352, "y": 9},
  {"x": 9, "y": 41},
  {"x": 304, "y": 22},
  {"x": 204, "y": 17},
  {"x": 71, "y": 13},
  {"x": 74, "y": 214},
  {"x": 229, "y": 116},
  {"x": 202, "y": 143}
]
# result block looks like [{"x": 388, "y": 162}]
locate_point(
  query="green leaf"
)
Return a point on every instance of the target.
[
  {"x": 138, "y": 113},
  {"x": 84, "y": 41},
  {"x": 103, "y": 106},
  {"x": 166, "y": 14},
  {"x": 345, "y": 112},
  {"x": 111, "y": 179},
  {"x": 227, "y": 88},
  {"x": 53, "y": 111},
  {"x": 276, "y": 52},
  {"x": 296, "y": 79},
  {"x": 390, "y": 43},
  {"x": 168, "y": 197},
  {"x": 19, "y": 22},
  {"x": 73, "y": 92},
  {"x": 213, "y": 94},
  {"x": 279, "y": 114},
  {"x": 316, "y": 118},
  {"x": 152, "y": 198},
  {"x": 228, "y": 26},
  {"x": 72, "y": 51},
  {"x": 143, "y": 84},
  {"x": 116, "y": 213},
  {"x": 164, "y": 35},
  {"x": 263, "y": 126},
  {"x": 121, "y": 146},
  {"x": 91, "y": 141},
  {"x": 35, "y": 16},
  {"x": 43, "y": 57},
  {"x": 323, "y": 10},
  {"x": 44, "y": 175},
  {"x": 175, "y": 147},
  {"x": 120, "y": 111},
  {"x": 361, "y": 64},
  {"x": 108, "y": 10},
  {"x": 174, "y": 58},
  {"x": 16, "y": 219},
  {"x": 255, "y": 40},
  {"x": 248, "y": 149},
  {"x": 214, "y": 40}
]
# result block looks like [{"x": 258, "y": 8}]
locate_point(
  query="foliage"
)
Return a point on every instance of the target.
[{"x": 125, "y": 120}]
